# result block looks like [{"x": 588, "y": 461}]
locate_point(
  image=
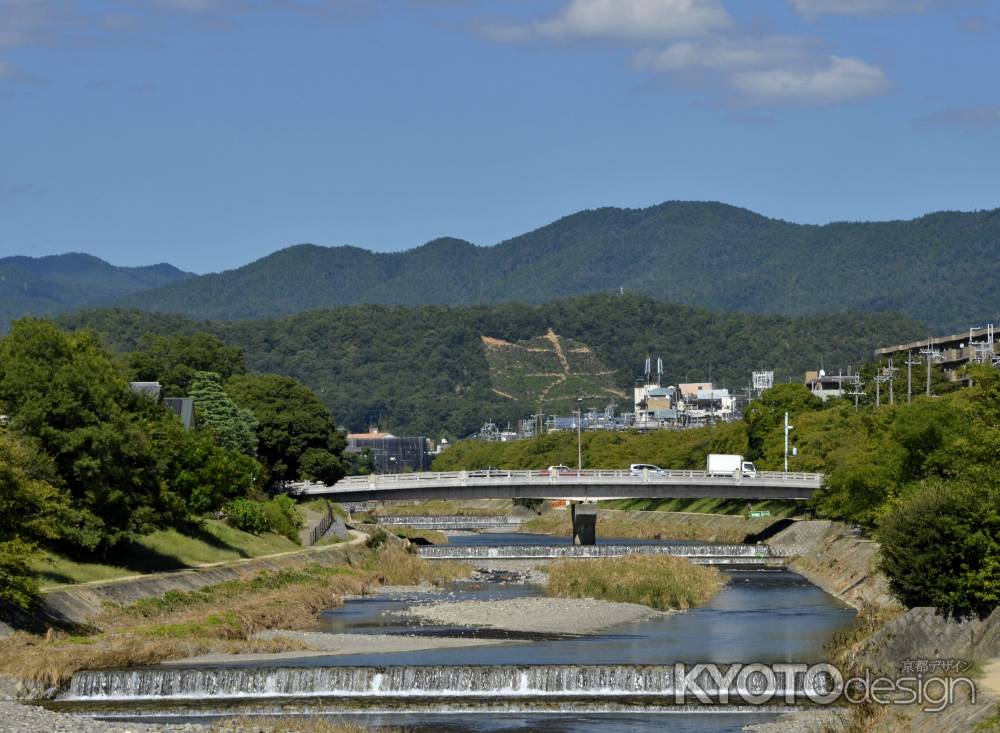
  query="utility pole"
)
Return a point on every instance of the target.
[
  {"x": 910, "y": 363},
  {"x": 931, "y": 355},
  {"x": 856, "y": 390},
  {"x": 788, "y": 429},
  {"x": 579, "y": 441},
  {"x": 891, "y": 370}
]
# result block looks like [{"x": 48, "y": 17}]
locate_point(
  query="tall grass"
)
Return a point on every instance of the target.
[
  {"x": 220, "y": 618},
  {"x": 662, "y": 582}
]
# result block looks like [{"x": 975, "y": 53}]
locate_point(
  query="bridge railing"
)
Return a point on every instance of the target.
[{"x": 575, "y": 476}]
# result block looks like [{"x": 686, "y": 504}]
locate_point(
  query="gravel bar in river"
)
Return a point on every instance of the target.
[{"x": 535, "y": 615}]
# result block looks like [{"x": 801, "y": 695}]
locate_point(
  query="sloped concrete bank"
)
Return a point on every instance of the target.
[
  {"x": 843, "y": 564},
  {"x": 78, "y": 604}
]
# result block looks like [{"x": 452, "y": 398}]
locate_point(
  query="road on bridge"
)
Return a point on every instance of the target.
[{"x": 585, "y": 485}]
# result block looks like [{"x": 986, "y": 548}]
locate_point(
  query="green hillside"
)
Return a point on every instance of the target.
[
  {"x": 427, "y": 370},
  {"x": 940, "y": 269},
  {"x": 548, "y": 374},
  {"x": 47, "y": 285}
]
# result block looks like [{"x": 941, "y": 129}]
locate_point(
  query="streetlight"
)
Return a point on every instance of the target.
[{"x": 788, "y": 429}]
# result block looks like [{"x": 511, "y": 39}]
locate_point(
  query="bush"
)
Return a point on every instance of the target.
[
  {"x": 659, "y": 581},
  {"x": 941, "y": 548},
  {"x": 376, "y": 539},
  {"x": 247, "y": 515},
  {"x": 17, "y": 584},
  {"x": 283, "y": 517}
]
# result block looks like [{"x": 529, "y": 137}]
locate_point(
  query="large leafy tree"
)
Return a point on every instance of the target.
[
  {"x": 173, "y": 361},
  {"x": 297, "y": 437},
  {"x": 66, "y": 393},
  {"x": 31, "y": 510},
  {"x": 234, "y": 427}
]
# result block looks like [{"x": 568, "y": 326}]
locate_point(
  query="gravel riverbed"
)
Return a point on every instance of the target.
[
  {"x": 535, "y": 615},
  {"x": 18, "y": 718}
]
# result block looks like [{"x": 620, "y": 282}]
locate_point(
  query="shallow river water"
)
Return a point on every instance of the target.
[{"x": 765, "y": 616}]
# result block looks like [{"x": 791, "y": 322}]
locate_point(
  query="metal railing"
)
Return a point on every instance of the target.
[
  {"x": 320, "y": 530},
  {"x": 599, "y": 475}
]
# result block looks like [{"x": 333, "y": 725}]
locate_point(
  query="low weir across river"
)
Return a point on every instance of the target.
[
  {"x": 707, "y": 554},
  {"x": 456, "y": 522}
]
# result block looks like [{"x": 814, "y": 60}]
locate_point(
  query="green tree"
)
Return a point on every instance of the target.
[
  {"x": 297, "y": 437},
  {"x": 173, "y": 361},
  {"x": 234, "y": 427},
  {"x": 941, "y": 547},
  {"x": 66, "y": 393},
  {"x": 767, "y": 414},
  {"x": 31, "y": 510}
]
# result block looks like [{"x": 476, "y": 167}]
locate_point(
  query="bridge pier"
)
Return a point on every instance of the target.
[{"x": 584, "y": 517}]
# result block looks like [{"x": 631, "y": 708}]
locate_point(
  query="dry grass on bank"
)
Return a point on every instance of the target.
[
  {"x": 662, "y": 582},
  {"x": 219, "y": 618},
  {"x": 654, "y": 525}
]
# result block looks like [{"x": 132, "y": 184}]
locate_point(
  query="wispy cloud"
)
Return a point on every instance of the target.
[
  {"x": 621, "y": 20},
  {"x": 766, "y": 71},
  {"x": 813, "y": 8},
  {"x": 963, "y": 117}
]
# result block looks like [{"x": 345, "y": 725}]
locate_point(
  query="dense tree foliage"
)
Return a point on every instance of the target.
[
  {"x": 699, "y": 253},
  {"x": 234, "y": 427},
  {"x": 31, "y": 510},
  {"x": 174, "y": 360},
  {"x": 941, "y": 547},
  {"x": 424, "y": 370},
  {"x": 296, "y": 435}
]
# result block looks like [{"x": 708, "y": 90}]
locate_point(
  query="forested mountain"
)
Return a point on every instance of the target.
[
  {"x": 941, "y": 269},
  {"x": 425, "y": 369},
  {"x": 45, "y": 285}
]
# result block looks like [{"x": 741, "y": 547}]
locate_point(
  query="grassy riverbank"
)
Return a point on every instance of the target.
[
  {"x": 662, "y": 582},
  {"x": 213, "y": 541},
  {"x": 219, "y": 618}
]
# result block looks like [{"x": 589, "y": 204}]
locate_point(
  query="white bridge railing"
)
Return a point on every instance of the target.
[
  {"x": 596, "y": 475},
  {"x": 585, "y": 477}
]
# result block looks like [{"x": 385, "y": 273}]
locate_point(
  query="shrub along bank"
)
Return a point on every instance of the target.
[{"x": 662, "y": 582}]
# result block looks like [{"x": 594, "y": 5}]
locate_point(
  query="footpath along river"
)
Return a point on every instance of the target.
[{"x": 768, "y": 616}]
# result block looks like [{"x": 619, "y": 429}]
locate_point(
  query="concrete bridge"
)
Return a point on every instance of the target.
[
  {"x": 574, "y": 486},
  {"x": 585, "y": 485}
]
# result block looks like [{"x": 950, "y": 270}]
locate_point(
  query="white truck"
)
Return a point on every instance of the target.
[{"x": 729, "y": 464}]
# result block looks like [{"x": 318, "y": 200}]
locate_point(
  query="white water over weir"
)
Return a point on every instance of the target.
[
  {"x": 707, "y": 554},
  {"x": 450, "y": 521},
  {"x": 508, "y": 681}
]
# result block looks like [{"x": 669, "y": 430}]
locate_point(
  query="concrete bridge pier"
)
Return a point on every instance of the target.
[{"x": 584, "y": 516}]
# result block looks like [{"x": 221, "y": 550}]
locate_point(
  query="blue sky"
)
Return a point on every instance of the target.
[{"x": 208, "y": 133}]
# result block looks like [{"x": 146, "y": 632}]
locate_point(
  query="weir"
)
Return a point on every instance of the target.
[
  {"x": 701, "y": 554},
  {"x": 607, "y": 681},
  {"x": 450, "y": 521}
]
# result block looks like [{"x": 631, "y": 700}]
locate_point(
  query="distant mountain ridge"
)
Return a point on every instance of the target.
[
  {"x": 58, "y": 283},
  {"x": 941, "y": 269}
]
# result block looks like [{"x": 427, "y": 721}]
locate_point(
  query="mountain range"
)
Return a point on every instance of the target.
[
  {"x": 58, "y": 283},
  {"x": 941, "y": 269}
]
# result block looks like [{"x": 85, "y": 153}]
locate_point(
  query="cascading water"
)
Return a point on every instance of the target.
[
  {"x": 497, "y": 681},
  {"x": 451, "y": 522},
  {"x": 517, "y": 552}
]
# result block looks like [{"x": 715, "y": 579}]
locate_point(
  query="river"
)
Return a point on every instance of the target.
[{"x": 765, "y": 616}]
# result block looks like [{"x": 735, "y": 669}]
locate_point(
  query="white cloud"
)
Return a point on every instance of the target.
[
  {"x": 812, "y": 8},
  {"x": 837, "y": 80},
  {"x": 623, "y": 20},
  {"x": 769, "y": 71}
]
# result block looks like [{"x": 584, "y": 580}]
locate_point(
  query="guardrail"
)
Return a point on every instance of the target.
[{"x": 618, "y": 475}]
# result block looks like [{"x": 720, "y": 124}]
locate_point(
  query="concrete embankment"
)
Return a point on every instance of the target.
[
  {"x": 845, "y": 565},
  {"x": 77, "y": 604}
]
